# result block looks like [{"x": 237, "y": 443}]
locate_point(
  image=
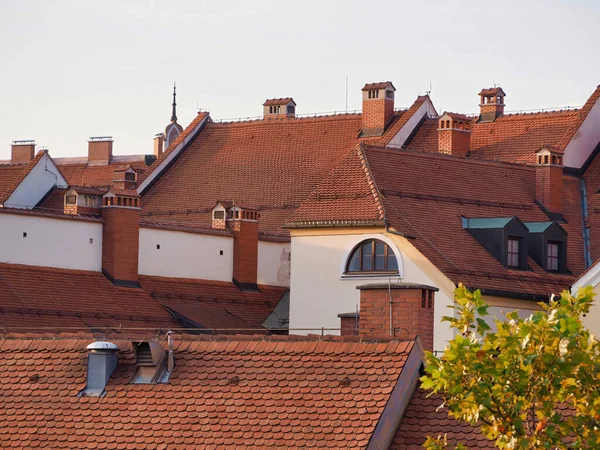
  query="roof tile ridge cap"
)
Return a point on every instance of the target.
[
  {"x": 583, "y": 113},
  {"x": 364, "y": 162}
]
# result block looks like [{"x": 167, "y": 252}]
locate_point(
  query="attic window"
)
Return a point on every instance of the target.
[
  {"x": 553, "y": 256},
  {"x": 513, "y": 253},
  {"x": 372, "y": 256},
  {"x": 71, "y": 199}
]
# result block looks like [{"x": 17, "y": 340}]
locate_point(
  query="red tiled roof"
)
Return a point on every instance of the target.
[
  {"x": 379, "y": 85},
  {"x": 12, "y": 175},
  {"x": 271, "y": 165},
  {"x": 214, "y": 304},
  {"x": 491, "y": 91},
  {"x": 83, "y": 175},
  {"x": 583, "y": 112},
  {"x": 424, "y": 418},
  {"x": 54, "y": 201},
  {"x": 430, "y": 209},
  {"x": 32, "y": 297},
  {"x": 279, "y": 101},
  {"x": 457, "y": 116},
  {"x": 242, "y": 392}
]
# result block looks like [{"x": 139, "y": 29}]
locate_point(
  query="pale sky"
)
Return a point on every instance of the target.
[{"x": 75, "y": 69}]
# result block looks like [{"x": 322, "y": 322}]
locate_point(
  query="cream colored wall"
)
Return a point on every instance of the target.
[
  {"x": 274, "y": 263},
  {"x": 585, "y": 139},
  {"x": 319, "y": 290},
  {"x": 185, "y": 255},
  {"x": 591, "y": 278},
  {"x": 402, "y": 135},
  {"x": 50, "y": 242}
]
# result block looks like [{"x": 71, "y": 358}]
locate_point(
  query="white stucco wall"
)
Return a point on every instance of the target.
[
  {"x": 36, "y": 184},
  {"x": 319, "y": 291},
  {"x": 274, "y": 263},
  {"x": 50, "y": 242},
  {"x": 402, "y": 135},
  {"x": 185, "y": 255},
  {"x": 585, "y": 139},
  {"x": 591, "y": 278}
]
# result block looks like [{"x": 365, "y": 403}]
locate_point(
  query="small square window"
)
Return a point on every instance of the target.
[
  {"x": 71, "y": 199},
  {"x": 219, "y": 215},
  {"x": 157, "y": 246},
  {"x": 91, "y": 240},
  {"x": 221, "y": 252},
  {"x": 24, "y": 234}
]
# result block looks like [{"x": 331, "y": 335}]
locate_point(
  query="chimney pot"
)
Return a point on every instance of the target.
[
  {"x": 491, "y": 105},
  {"x": 377, "y": 107},
  {"x": 454, "y": 134},
  {"x": 549, "y": 178},
  {"x": 159, "y": 142},
  {"x": 22, "y": 152}
]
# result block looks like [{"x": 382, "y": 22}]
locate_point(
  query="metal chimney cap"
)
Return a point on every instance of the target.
[{"x": 102, "y": 345}]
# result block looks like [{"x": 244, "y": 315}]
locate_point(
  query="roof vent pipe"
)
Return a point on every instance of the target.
[
  {"x": 102, "y": 361},
  {"x": 171, "y": 360}
]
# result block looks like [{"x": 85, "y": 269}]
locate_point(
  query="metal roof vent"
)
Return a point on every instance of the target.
[
  {"x": 151, "y": 360},
  {"x": 102, "y": 361}
]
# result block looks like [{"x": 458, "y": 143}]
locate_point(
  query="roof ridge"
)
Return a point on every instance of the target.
[
  {"x": 583, "y": 113},
  {"x": 371, "y": 181}
]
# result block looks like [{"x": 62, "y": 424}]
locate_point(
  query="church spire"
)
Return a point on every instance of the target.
[{"x": 174, "y": 114}]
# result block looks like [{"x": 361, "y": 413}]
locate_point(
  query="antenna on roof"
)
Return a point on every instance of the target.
[
  {"x": 429, "y": 91},
  {"x": 346, "y": 94}
]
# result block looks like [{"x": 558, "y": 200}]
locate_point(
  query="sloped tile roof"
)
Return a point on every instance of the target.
[
  {"x": 379, "y": 85},
  {"x": 424, "y": 418},
  {"x": 214, "y": 304},
  {"x": 32, "y": 297},
  {"x": 431, "y": 208},
  {"x": 279, "y": 101},
  {"x": 84, "y": 175},
  {"x": 491, "y": 91},
  {"x": 255, "y": 392},
  {"x": 11, "y": 175}
]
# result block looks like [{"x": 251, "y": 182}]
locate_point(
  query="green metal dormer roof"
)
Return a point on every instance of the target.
[
  {"x": 485, "y": 223},
  {"x": 538, "y": 227}
]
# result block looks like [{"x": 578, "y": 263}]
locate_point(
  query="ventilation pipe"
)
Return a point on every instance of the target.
[{"x": 102, "y": 361}]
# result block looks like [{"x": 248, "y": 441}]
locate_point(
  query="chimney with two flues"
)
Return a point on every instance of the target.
[{"x": 491, "y": 104}]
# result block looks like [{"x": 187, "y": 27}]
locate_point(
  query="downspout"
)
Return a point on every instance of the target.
[{"x": 584, "y": 218}]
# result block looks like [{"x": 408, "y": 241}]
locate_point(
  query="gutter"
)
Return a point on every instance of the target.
[
  {"x": 397, "y": 233},
  {"x": 587, "y": 257}
]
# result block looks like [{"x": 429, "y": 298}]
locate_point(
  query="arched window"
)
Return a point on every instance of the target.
[{"x": 372, "y": 256}]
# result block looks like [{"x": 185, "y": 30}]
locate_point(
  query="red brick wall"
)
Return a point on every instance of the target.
[
  {"x": 454, "y": 142},
  {"x": 99, "y": 151},
  {"x": 120, "y": 242},
  {"x": 245, "y": 251},
  {"x": 491, "y": 108},
  {"x": 409, "y": 317},
  {"x": 21, "y": 154},
  {"x": 376, "y": 113},
  {"x": 548, "y": 186},
  {"x": 348, "y": 326}
]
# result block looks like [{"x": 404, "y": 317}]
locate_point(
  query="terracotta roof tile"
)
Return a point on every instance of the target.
[
  {"x": 262, "y": 393},
  {"x": 491, "y": 91},
  {"x": 32, "y": 297},
  {"x": 84, "y": 175},
  {"x": 379, "y": 85},
  {"x": 279, "y": 101}
]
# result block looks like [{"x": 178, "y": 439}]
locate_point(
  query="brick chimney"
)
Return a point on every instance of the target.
[
  {"x": 491, "y": 104},
  {"x": 279, "y": 108},
  {"x": 377, "y": 107},
  {"x": 549, "y": 178},
  {"x": 100, "y": 150},
  {"x": 454, "y": 134},
  {"x": 120, "y": 236},
  {"x": 244, "y": 224},
  {"x": 22, "y": 152},
  {"x": 159, "y": 142},
  {"x": 409, "y": 306}
]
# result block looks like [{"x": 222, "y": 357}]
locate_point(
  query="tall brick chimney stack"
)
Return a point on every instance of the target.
[
  {"x": 377, "y": 107},
  {"x": 22, "y": 152},
  {"x": 159, "y": 143},
  {"x": 244, "y": 224},
  {"x": 454, "y": 134},
  {"x": 402, "y": 310},
  {"x": 491, "y": 105},
  {"x": 121, "y": 236},
  {"x": 549, "y": 178},
  {"x": 100, "y": 150}
]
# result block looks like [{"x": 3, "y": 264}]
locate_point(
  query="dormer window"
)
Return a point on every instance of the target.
[
  {"x": 129, "y": 176},
  {"x": 372, "y": 255},
  {"x": 513, "y": 252},
  {"x": 553, "y": 256}
]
